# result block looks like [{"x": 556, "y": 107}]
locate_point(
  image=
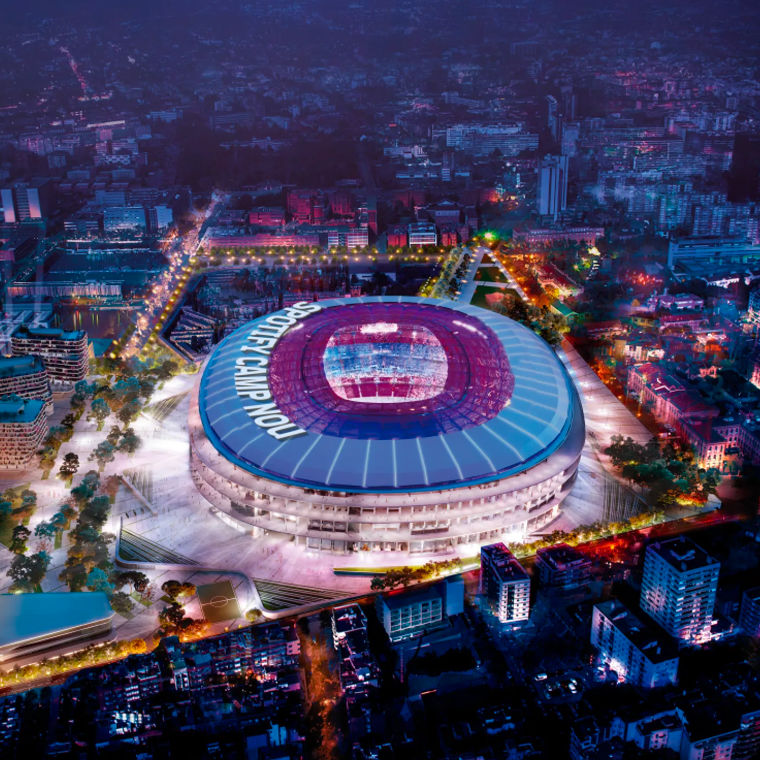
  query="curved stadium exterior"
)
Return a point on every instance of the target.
[{"x": 391, "y": 423}]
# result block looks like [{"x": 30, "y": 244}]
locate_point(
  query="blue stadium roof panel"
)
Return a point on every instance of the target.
[{"x": 379, "y": 394}]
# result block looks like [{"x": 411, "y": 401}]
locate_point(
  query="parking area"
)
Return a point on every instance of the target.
[{"x": 560, "y": 687}]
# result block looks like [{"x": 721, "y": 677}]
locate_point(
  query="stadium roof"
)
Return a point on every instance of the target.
[
  {"x": 506, "y": 404},
  {"x": 31, "y": 616}
]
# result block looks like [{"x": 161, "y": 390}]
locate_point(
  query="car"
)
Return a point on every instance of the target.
[{"x": 540, "y": 677}]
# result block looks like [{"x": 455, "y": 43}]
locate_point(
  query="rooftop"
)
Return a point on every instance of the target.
[
  {"x": 655, "y": 646},
  {"x": 403, "y": 598},
  {"x": 682, "y": 554},
  {"x": 14, "y": 366},
  {"x": 55, "y": 333},
  {"x": 561, "y": 556},
  {"x": 505, "y": 566},
  {"x": 30, "y": 616},
  {"x": 15, "y": 409}
]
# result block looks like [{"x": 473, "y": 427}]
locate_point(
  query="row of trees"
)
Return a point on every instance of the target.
[
  {"x": 404, "y": 576},
  {"x": 670, "y": 473},
  {"x": 585, "y": 533},
  {"x": 16, "y": 507},
  {"x": 89, "y": 549},
  {"x": 84, "y": 658},
  {"x": 57, "y": 435}
]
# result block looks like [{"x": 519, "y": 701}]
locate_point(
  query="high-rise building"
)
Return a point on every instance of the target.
[
  {"x": 27, "y": 377},
  {"x": 679, "y": 587},
  {"x": 637, "y": 652},
  {"x": 25, "y": 202},
  {"x": 65, "y": 353},
  {"x": 7, "y": 205},
  {"x": 159, "y": 218},
  {"x": 552, "y": 186},
  {"x": 749, "y": 616},
  {"x": 552, "y": 116},
  {"x": 23, "y": 427},
  {"x": 505, "y": 584},
  {"x": 744, "y": 175}
]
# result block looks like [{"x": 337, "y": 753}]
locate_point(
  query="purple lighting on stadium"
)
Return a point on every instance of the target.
[{"x": 385, "y": 370}]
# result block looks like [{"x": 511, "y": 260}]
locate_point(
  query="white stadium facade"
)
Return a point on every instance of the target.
[{"x": 385, "y": 424}]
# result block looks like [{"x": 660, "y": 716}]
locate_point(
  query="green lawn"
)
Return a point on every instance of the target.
[
  {"x": 6, "y": 531},
  {"x": 489, "y": 274},
  {"x": 479, "y": 296}
]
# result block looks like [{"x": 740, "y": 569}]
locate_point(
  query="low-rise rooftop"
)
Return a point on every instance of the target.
[{"x": 25, "y": 617}]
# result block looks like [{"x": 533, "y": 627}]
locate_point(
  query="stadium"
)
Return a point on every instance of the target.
[{"x": 385, "y": 424}]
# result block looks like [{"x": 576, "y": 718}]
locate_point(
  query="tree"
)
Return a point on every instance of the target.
[
  {"x": 28, "y": 572},
  {"x": 60, "y": 520},
  {"x": 147, "y": 386},
  {"x": 121, "y": 603},
  {"x": 45, "y": 530},
  {"x": 68, "y": 467},
  {"x": 78, "y": 401},
  {"x": 97, "y": 580},
  {"x": 129, "y": 411},
  {"x": 74, "y": 575},
  {"x": 254, "y": 615},
  {"x": 175, "y": 589},
  {"x": 129, "y": 442},
  {"x": 68, "y": 421},
  {"x": 95, "y": 512},
  {"x": 100, "y": 410},
  {"x": 139, "y": 581},
  {"x": 47, "y": 456},
  {"x": 167, "y": 369},
  {"x": 28, "y": 502},
  {"x": 114, "y": 435},
  {"x": 83, "y": 388},
  {"x": 171, "y": 616},
  {"x": 19, "y": 538},
  {"x": 126, "y": 390},
  {"x": 103, "y": 454}
]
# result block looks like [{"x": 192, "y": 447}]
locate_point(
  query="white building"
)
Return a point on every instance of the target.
[
  {"x": 633, "y": 649},
  {"x": 505, "y": 584},
  {"x": 407, "y": 614},
  {"x": 422, "y": 233},
  {"x": 679, "y": 587},
  {"x": 552, "y": 186}
]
